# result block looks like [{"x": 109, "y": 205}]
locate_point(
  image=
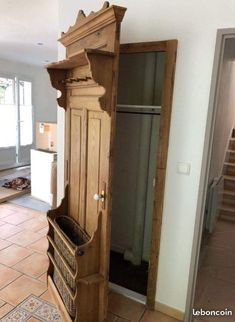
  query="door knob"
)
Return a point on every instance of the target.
[{"x": 99, "y": 197}]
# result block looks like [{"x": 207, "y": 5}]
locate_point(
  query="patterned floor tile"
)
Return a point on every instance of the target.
[
  {"x": 17, "y": 315},
  {"x": 33, "y": 309}
]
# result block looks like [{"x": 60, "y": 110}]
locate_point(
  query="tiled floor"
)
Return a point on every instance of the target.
[
  {"x": 23, "y": 266},
  {"x": 216, "y": 278}
]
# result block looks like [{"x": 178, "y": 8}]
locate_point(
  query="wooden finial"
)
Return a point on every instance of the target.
[
  {"x": 81, "y": 16},
  {"x": 105, "y": 5}
]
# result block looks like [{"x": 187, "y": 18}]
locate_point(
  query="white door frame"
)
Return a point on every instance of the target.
[{"x": 222, "y": 35}]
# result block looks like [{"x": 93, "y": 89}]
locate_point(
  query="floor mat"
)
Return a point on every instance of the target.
[
  {"x": 28, "y": 201},
  {"x": 125, "y": 274},
  {"x": 33, "y": 307},
  {"x": 18, "y": 183}
]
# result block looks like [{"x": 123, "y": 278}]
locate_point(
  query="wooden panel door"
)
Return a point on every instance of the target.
[{"x": 89, "y": 177}]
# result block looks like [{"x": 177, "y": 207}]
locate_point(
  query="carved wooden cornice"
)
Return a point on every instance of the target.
[
  {"x": 92, "y": 84},
  {"x": 92, "y": 25}
]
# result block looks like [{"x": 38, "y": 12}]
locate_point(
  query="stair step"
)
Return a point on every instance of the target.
[
  {"x": 231, "y": 164},
  {"x": 227, "y": 218},
  {"x": 231, "y": 151},
  {"x": 232, "y": 144},
  {"x": 233, "y": 133},
  {"x": 229, "y": 182},
  {"x": 228, "y": 192},
  {"x": 227, "y": 212},
  {"x": 231, "y": 155},
  {"x": 230, "y": 178},
  {"x": 226, "y": 208},
  {"x": 229, "y": 168}
]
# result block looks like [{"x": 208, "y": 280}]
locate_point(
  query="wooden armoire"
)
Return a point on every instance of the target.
[{"x": 79, "y": 228}]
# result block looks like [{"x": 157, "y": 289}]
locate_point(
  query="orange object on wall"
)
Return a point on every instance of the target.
[{"x": 46, "y": 136}]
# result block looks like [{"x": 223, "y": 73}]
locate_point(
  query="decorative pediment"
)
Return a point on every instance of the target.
[{"x": 97, "y": 30}]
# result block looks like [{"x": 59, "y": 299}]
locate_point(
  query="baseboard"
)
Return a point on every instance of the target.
[
  {"x": 168, "y": 310},
  {"x": 4, "y": 167},
  {"x": 127, "y": 293}
]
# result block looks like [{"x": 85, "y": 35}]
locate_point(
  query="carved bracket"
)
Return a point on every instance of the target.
[
  {"x": 57, "y": 76},
  {"x": 97, "y": 65}
]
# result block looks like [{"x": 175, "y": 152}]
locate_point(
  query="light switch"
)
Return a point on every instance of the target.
[{"x": 183, "y": 168}]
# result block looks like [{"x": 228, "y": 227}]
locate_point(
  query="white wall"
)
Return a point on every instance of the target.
[
  {"x": 225, "y": 117},
  {"x": 44, "y": 96},
  {"x": 194, "y": 23}
]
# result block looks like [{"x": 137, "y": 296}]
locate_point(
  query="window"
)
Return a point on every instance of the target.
[
  {"x": 16, "y": 123},
  {"x": 25, "y": 98},
  {"x": 8, "y": 113}
]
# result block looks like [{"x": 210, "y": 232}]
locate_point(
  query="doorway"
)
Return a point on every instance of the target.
[
  {"x": 16, "y": 121},
  {"x": 210, "y": 222},
  {"x": 138, "y": 155}
]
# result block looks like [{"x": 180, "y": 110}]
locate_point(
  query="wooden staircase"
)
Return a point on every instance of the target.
[{"x": 227, "y": 208}]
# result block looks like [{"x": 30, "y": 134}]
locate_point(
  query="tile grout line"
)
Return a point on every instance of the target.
[{"x": 142, "y": 314}]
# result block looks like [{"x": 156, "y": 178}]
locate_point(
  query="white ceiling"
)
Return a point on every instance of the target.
[{"x": 23, "y": 24}]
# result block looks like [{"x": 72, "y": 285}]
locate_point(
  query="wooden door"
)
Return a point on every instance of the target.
[{"x": 89, "y": 165}]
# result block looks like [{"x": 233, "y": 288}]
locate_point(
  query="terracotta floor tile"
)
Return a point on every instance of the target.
[
  {"x": 217, "y": 257},
  {"x": 48, "y": 297},
  {"x": 40, "y": 246},
  {"x": 223, "y": 226},
  {"x": 13, "y": 254},
  {"x": 153, "y": 316},
  {"x": 34, "y": 265},
  {"x": 226, "y": 274},
  {"x": 43, "y": 231},
  {"x": 4, "y": 212},
  {"x": 21, "y": 288},
  {"x": 34, "y": 224},
  {"x": 7, "y": 275},
  {"x": 16, "y": 218},
  {"x": 24, "y": 238},
  {"x": 4, "y": 244},
  {"x": 111, "y": 317},
  {"x": 224, "y": 239},
  {"x": 2, "y": 303},
  {"x": 23, "y": 210},
  {"x": 124, "y": 307},
  {"x": 43, "y": 278},
  {"x": 218, "y": 295},
  {"x": 5, "y": 309},
  {"x": 8, "y": 230},
  {"x": 33, "y": 320}
]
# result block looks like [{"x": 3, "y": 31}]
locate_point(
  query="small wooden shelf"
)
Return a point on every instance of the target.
[{"x": 79, "y": 59}]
